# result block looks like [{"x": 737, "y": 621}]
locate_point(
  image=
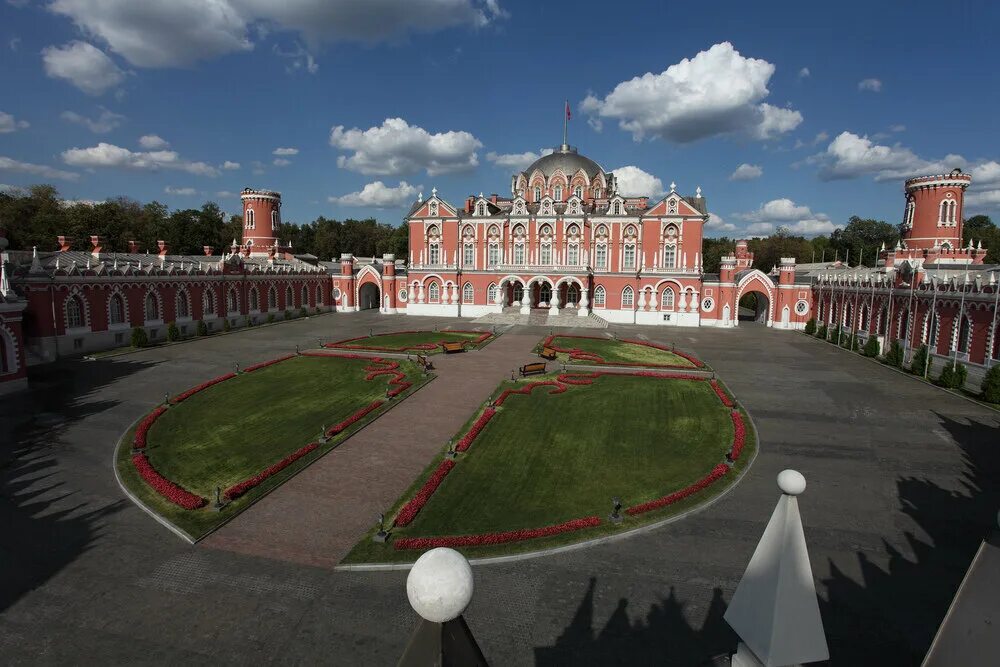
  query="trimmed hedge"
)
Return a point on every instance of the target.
[
  {"x": 811, "y": 326},
  {"x": 871, "y": 348},
  {"x": 139, "y": 337},
  {"x": 921, "y": 362},
  {"x": 953, "y": 375},
  {"x": 894, "y": 357},
  {"x": 991, "y": 385},
  {"x": 173, "y": 333}
]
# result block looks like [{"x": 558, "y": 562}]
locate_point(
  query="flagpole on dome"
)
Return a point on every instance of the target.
[{"x": 566, "y": 118}]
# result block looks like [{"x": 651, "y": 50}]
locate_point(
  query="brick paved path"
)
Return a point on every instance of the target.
[{"x": 317, "y": 516}]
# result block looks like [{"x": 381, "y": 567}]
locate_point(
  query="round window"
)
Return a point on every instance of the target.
[
  {"x": 336, "y": 293},
  {"x": 801, "y": 307},
  {"x": 402, "y": 295},
  {"x": 707, "y": 304}
]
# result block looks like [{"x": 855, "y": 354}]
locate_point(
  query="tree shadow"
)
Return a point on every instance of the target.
[
  {"x": 893, "y": 613},
  {"x": 663, "y": 637}
]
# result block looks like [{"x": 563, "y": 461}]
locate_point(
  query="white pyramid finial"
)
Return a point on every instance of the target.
[
  {"x": 36, "y": 264},
  {"x": 774, "y": 609},
  {"x": 673, "y": 186},
  {"x": 420, "y": 196},
  {"x": 5, "y": 288},
  {"x": 434, "y": 192}
]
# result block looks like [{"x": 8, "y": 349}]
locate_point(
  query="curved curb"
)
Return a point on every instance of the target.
[{"x": 566, "y": 548}]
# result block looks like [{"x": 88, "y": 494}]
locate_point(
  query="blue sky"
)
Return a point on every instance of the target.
[{"x": 350, "y": 109}]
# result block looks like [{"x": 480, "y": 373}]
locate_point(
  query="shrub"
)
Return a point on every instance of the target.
[
  {"x": 173, "y": 333},
  {"x": 202, "y": 328},
  {"x": 894, "y": 357},
  {"x": 953, "y": 375},
  {"x": 821, "y": 332},
  {"x": 921, "y": 363},
  {"x": 270, "y": 318},
  {"x": 303, "y": 312},
  {"x": 318, "y": 311},
  {"x": 226, "y": 326},
  {"x": 991, "y": 385},
  {"x": 871, "y": 348},
  {"x": 835, "y": 335},
  {"x": 139, "y": 337},
  {"x": 811, "y": 327},
  {"x": 288, "y": 314},
  {"x": 247, "y": 322}
]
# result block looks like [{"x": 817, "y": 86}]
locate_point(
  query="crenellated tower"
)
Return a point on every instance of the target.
[{"x": 261, "y": 218}]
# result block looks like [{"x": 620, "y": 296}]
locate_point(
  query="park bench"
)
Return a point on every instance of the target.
[
  {"x": 535, "y": 368},
  {"x": 452, "y": 346},
  {"x": 548, "y": 353},
  {"x": 424, "y": 362}
]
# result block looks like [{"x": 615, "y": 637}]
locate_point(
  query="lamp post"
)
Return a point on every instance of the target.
[{"x": 616, "y": 510}]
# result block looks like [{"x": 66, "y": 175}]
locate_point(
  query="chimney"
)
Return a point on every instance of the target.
[
  {"x": 493, "y": 198},
  {"x": 133, "y": 247},
  {"x": 208, "y": 250},
  {"x": 64, "y": 243},
  {"x": 468, "y": 204},
  {"x": 164, "y": 248},
  {"x": 97, "y": 242}
]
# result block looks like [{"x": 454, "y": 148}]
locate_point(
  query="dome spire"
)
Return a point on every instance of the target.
[{"x": 566, "y": 117}]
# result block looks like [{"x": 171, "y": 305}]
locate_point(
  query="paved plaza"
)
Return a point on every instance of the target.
[{"x": 902, "y": 486}]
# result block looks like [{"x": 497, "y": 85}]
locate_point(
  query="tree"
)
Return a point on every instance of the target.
[
  {"x": 713, "y": 250},
  {"x": 991, "y": 384},
  {"x": 981, "y": 228},
  {"x": 921, "y": 363},
  {"x": 768, "y": 251},
  {"x": 810, "y": 326},
  {"x": 863, "y": 237},
  {"x": 953, "y": 375},
  {"x": 871, "y": 348}
]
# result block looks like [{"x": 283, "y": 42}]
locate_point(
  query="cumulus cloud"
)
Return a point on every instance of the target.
[
  {"x": 10, "y": 164},
  {"x": 153, "y": 142},
  {"x": 229, "y": 165},
  {"x": 83, "y": 65},
  {"x": 379, "y": 195},
  {"x": 518, "y": 161},
  {"x": 396, "y": 148},
  {"x": 109, "y": 155},
  {"x": 804, "y": 73},
  {"x": 897, "y": 128},
  {"x": 786, "y": 213},
  {"x": 10, "y": 124},
  {"x": 718, "y": 224},
  {"x": 851, "y": 156},
  {"x": 984, "y": 193},
  {"x": 226, "y": 194},
  {"x": 180, "y": 192},
  {"x": 105, "y": 122},
  {"x": 633, "y": 181},
  {"x": 985, "y": 200},
  {"x": 746, "y": 172},
  {"x": 871, "y": 85},
  {"x": 285, "y": 151},
  {"x": 281, "y": 162},
  {"x": 716, "y": 92},
  {"x": 181, "y": 32}
]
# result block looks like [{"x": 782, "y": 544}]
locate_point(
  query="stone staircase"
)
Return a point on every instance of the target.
[{"x": 541, "y": 317}]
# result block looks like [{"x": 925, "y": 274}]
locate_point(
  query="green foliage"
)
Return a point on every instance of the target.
[
  {"x": 139, "y": 337},
  {"x": 303, "y": 312},
  {"x": 768, "y": 251},
  {"x": 862, "y": 236},
  {"x": 894, "y": 357},
  {"x": 173, "y": 333},
  {"x": 811, "y": 326},
  {"x": 953, "y": 375},
  {"x": 202, "y": 328},
  {"x": 226, "y": 326},
  {"x": 991, "y": 384},
  {"x": 248, "y": 321},
  {"x": 981, "y": 228},
  {"x": 270, "y": 318},
  {"x": 821, "y": 332},
  {"x": 288, "y": 314},
  {"x": 318, "y": 311},
  {"x": 871, "y": 348},
  {"x": 835, "y": 335},
  {"x": 921, "y": 362}
]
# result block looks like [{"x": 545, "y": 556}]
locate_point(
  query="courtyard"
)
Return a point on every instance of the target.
[{"x": 902, "y": 487}]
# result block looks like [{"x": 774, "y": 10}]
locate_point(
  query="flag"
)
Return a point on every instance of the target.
[{"x": 568, "y": 114}]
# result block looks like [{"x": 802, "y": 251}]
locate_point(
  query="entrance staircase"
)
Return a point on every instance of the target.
[{"x": 542, "y": 317}]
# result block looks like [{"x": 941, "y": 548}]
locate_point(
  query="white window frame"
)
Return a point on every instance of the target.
[
  {"x": 600, "y": 296},
  {"x": 628, "y": 297}
]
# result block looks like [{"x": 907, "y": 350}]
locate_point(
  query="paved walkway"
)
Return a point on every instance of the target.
[{"x": 336, "y": 499}]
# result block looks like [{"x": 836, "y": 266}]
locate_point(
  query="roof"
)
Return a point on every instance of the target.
[{"x": 566, "y": 159}]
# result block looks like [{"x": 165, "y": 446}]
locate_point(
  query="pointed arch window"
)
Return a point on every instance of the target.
[
  {"x": 601, "y": 256},
  {"x": 545, "y": 254},
  {"x": 964, "y": 341},
  {"x": 600, "y": 296},
  {"x": 538, "y": 194},
  {"x": 305, "y": 295},
  {"x": 208, "y": 304},
  {"x": 74, "y": 312},
  {"x": 468, "y": 293},
  {"x": 249, "y": 217},
  {"x": 433, "y": 293},
  {"x": 573, "y": 254},
  {"x": 628, "y": 297},
  {"x": 152, "y": 307},
  {"x": 481, "y": 208},
  {"x": 272, "y": 298},
  {"x": 558, "y": 193},
  {"x": 274, "y": 220},
  {"x": 493, "y": 254},
  {"x": 578, "y": 192},
  {"x": 669, "y": 256},
  {"x": 116, "y": 309},
  {"x": 491, "y": 293},
  {"x": 667, "y": 299},
  {"x": 254, "y": 300},
  {"x": 183, "y": 304},
  {"x": 628, "y": 256},
  {"x": 908, "y": 217},
  {"x": 618, "y": 208},
  {"x": 518, "y": 253}
]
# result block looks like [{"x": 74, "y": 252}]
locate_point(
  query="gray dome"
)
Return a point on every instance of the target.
[{"x": 568, "y": 160}]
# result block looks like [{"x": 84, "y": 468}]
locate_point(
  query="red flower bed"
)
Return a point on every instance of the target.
[
  {"x": 467, "y": 439},
  {"x": 265, "y": 364},
  {"x": 581, "y": 379},
  {"x": 337, "y": 428},
  {"x": 204, "y": 385},
  {"x": 424, "y": 347},
  {"x": 526, "y": 389},
  {"x": 164, "y": 486},
  {"x": 410, "y": 509},
  {"x": 739, "y": 434},
  {"x": 723, "y": 396},
  {"x": 576, "y": 354},
  {"x": 717, "y": 472},
  {"x": 139, "y": 440},
  {"x": 490, "y": 539},
  {"x": 238, "y": 490}
]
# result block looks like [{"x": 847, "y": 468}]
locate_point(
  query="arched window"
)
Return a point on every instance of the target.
[
  {"x": 74, "y": 312},
  {"x": 493, "y": 254},
  {"x": 249, "y": 219},
  {"x": 274, "y": 220},
  {"x": 116, "y": 309},
  {"x": 618, "y": 208},
  {"x": 578, "y": 192},
  {"x": 209, "y": 301},
  {"x": 538, "y": 194},
  {"x": 183, "y": 304},
  {"x": 573, "y": 254},
  {"x": 152, "y": 307},
  {"x": 597, "y": 193},
  {"x": 669, "y": 256},
  {"x": 272, "y": 298},
  {"x": 481, "y": 208},
  {"x": 667, "y": 299},
  {"x": 572, "y": 294},
  {"x": 254, "y": 299},
  {"x": 628, "y": 297},
  {"x": 433, "y": 293},
  {"x": 518, "y": 253},
  {"x": 289, "y": 297},
  {"x": 908, "y": 217},
  {"x": 468, "y": 254},
  {"x": 467, "y": 293},
  {"x": 232, "y": 301},
  {"x": 491, "y": 293},
  {"x": 600, "y": 295},
  {"x": 964, "y": 335},
  {"x": 601, "y": 256},
  {"x": 545, "y": 254},
  {"x": 883, "y": 320},
  {"x": 558, "y": 193},
  {"x": 628, "y": 256},
  {"x": 305, "y": 296}
]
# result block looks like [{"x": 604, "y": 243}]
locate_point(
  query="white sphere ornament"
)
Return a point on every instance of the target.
[
  {"x": 439, "y": 585},
  {"x": 791, "y": 482}
]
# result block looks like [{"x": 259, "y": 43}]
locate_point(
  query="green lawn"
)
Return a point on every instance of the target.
[
  {"x": 235, "y": 429},
  {"x": 617, "y": 352},
  {"x": 412, "y": 341},
  {"x": 545, "y": 459}
]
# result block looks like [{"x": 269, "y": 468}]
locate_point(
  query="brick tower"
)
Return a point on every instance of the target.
[{"x": 261, "y": 217}]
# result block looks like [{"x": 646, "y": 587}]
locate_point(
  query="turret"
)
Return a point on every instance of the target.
[
  {"x": 261, "y": 218},
  {"x": 932, "y": 216}
]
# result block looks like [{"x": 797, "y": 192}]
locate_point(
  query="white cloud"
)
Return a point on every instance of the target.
[
  {"x": 850, "y": 156},
  {"x": 229, "y": 165},
  {"x": 281, "y": 162},
  {"x": 258, "y": 167},
  {"x": 181, "y": 192},
  {"x": 152, "y": 142},
  {"x": 397, "y": 147},
  {"x": 9, "y": 164},
  {"x": 786, "y": 213},
  {"x": 14, "y": 43},
  {"x": 633, "y": 181},
  {"x": 759, "y": 229},
  {"x": 299, "y": 59},
  {"x": 83, "y": 65},
  {"x": 518, "y": 161},
  {"x": 716, "y": 223},
  {"x": 285, "y": 151},
  {"x": 804, "y": 73},
  {"x": 226, "y": 194},
  {"x": 746, "y": 172},
  {"x": 109, "y": 155},
  {"x": 897, "y": 128},
  {"x": 872, "y": 85},
  {"x": 379, "y": 195},
  {"x": 9, "y": 124},
  {"x": 105, "y": 122},
  {"x": 181, "y": 32},
  {"x": 716, "y": 92},
  {"x": 985, "y": 200},
  {"x": 986, "y": 173}
]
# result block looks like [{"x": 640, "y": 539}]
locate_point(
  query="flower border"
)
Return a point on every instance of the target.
[
  {"x": 576, "y": 354},
  {"x": 417, "y": 347},
  {"x": 492, "y": 539}
]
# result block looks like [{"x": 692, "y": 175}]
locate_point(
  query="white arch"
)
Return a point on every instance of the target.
[
  {"x": 10, "y": 343},
  {"x": 429, "y": 276},
  {"x": 768, "y": 285},
  {"x": 570, "y": 279},
  {"x": 535, "y": 279}
]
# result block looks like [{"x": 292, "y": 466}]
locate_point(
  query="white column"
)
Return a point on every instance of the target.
[
  {"x": 653, "y": 300},
  {"x": 420, "y": 293},
  {"x": 642, "y": 299},
  {"x": 554, "y": 302},
  {"x": 454, "y": 293},
  {"x": 681, "y": 302},
  {"x": 584, "y": 303}
]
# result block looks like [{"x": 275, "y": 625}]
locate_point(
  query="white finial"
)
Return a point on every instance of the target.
[
  {"x": 420, "y": 196},
  {"x": 882, "y": 249},
  {"x": 480, "y": 194},
  {"x": 5, "y": 288},
  {"x": 88, "y": 263},
  {"x": 440, "y": 585},
  {"x": 697, "y": 192},
  {"x": 673, "y": 186},
  {"x": 979, "y": 246},
  {"x": 791, "y": 482},
  {"x": 434, "y": 192},
  {"x": 36, "y": 264}
]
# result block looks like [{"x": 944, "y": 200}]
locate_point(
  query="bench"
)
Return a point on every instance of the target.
[
  {"x": 452, "y": 346},
  {"x": 424, "y": 361},
  {"x": 536, "y": 368},
  {"x": 548, "y": 353}
]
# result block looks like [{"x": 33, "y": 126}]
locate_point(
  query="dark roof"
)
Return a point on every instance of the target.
[
  {"x": 698, "y": 203},
  {"x": 568, "y": 160}
]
